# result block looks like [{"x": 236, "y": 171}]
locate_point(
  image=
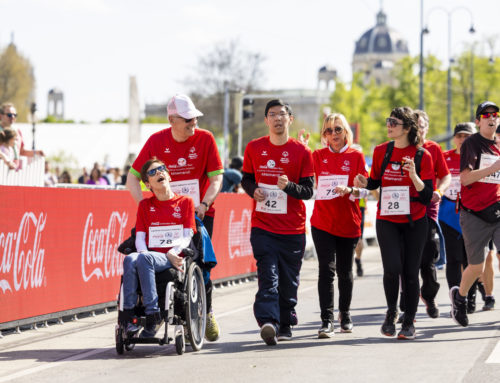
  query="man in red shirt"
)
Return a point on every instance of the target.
[
  {"x": 278, "y": 174},
  {"x": 430, "y": 255},
  {"x": 194, "y": 165},
  {"x": 480, "y": 202}
]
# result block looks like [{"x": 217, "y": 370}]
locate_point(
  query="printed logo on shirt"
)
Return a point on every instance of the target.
[
  {"x": 285, "y": 154},
  {"x": 285, "y": 160},
  {"x": 155, "y": 223},
  {"x": 395, "y": 166},
  {"x": 181, "y": 162},
  {"x": 192, "y": 154},
  {"x": 346, "y": 167},
  {"x": 264, "y": 153},
  {"x": 177, "y": 212},
  {"x": 325, "y": 161},
  {"x": 167, "y": 150},
  {"x": 271, "y": 164},
  {"x": 152, "y": 209}
]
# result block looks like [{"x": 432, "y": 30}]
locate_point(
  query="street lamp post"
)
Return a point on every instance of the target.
[{"x": 449, "y": 13}]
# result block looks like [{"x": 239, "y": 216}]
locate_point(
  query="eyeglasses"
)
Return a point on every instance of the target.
[
  {"x": 152, "y": 172},
  {"x": 489, "y": 114},
  {"x": 392, "y": 122},
  {"x": 280, "y": 114},
  {"x": 11, "y": 115},
  {"x": 337, "y": 130}
]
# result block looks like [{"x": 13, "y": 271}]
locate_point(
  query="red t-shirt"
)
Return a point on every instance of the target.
[
  {"x": 152, "y": 212},
  {"x": 267, "y": 162},
  {"x": 440, "y": 171},
  {"x": 478, "y": 195},
  {"x": 339, "y": 216},
  {"x": 393, "y": 177},
  {"x": 197, "y": 158},
  {"x": 452, "y": 159}
]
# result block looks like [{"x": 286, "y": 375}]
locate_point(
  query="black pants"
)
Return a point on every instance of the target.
[
  {"x": 456, "y": 258},
  {"x": 335, "y": 254},
  {"x": 208, "y": 222},
  {"x": 401, "y": 246},
  {"x": 430, "y": 285}
]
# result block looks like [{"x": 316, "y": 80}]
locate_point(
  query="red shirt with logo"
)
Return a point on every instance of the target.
[
  {"x": 197, "y": 158},
  {"x": 394, "y": 177},
  {"x": 152, "y": 212},
  {"x": 440, "y": 170},
  {"x": 339, "y": 216},
  {"x": 478, "y": 195},
  {"x": 267, "y": 162},
  {"x": 452, "y": 159}
]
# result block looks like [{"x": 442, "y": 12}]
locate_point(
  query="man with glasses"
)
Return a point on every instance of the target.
[
  {"x": 480, "y": 202},
  {"x": 278, "y": 174},
  {"x": 193, "y": 161},
  {"x": 8, "y": 116}
]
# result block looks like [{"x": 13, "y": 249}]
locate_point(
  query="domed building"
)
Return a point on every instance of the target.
[{"x": 377, "y": 51}]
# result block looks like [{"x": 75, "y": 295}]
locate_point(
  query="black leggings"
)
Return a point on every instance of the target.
[
  {"x": 401, "y": 246},
  {"x": 334, "y": 254},
  {"x": 456, "y": 258}
]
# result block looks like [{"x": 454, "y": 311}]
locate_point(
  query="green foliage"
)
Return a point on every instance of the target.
[
  {"x": 17, "y": 81},
  {"x": 109, "y": 120},
  {"x": 54, "y": 120},
  {"x": 155, "y": 120}
]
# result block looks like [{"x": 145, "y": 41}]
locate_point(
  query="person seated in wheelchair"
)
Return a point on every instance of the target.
[{"x": 165, "y": 225}]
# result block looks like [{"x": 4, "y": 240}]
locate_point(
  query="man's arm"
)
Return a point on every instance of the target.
[
  {"x": 134, "y": 186},
  {"x": 468, "y": 176},
  {"x": 210, "y": 196},
  {"x": 31, "y": 153}
]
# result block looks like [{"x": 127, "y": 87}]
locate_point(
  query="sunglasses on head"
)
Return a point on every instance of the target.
[
  {"x": 488, "y": 114},
  {"x": 337, "y": 129},
  {"x": 152, "y": 172},
  {"x": 392, "y": 122}
]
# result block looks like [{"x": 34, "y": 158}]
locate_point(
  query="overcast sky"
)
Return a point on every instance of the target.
[{"x": 89, "y": 48}]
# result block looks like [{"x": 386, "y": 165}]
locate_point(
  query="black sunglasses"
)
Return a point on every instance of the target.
[
  {"x": 337, "y": 130},
  {"x": 187, "y": 120},
  {"x": 152, "y": 172},
  {"x": 10, "y": 115}
]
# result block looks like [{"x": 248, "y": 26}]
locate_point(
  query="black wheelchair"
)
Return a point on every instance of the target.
[{"x": 182, "y": 302}]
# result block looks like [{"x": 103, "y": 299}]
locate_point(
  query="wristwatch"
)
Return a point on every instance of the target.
[{"x": 206, "y": 204}]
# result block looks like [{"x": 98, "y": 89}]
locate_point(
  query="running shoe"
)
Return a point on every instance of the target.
[
  {"x": 326, "y": 330},
  {"x": 389, "y": 326},
  {"x": 430, "y": 307},
  {"x": 471, "y": 299},
  {"x": 458, "y": 307},
  {"x": 407, "y": 331},
  {"x": 153, "y": 324},
  {"x": 268, "y": 334},
  {"x": 212, "y": 331},
  {"x": 345, "y": 321},
  {"x": 284, "y": 333},
  {"x": 132, "y": 329},
  {"x": 359, "y": 267},
  {"x": 489, "y": 303}
]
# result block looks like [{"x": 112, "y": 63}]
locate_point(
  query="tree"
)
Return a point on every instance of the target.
[{"x": 17, "y": 81}]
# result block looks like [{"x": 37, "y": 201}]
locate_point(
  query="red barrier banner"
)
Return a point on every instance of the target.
[{"x": 58, "y": 246}]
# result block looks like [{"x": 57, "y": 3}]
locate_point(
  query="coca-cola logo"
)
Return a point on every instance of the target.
[
  {"x": 239, "y": 234},
  {"x": 100, "y": 257},
  {"x": 22, "y": 258}
]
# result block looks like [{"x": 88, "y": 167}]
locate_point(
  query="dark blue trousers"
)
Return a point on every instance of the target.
[{"x": 279, "y": 259}]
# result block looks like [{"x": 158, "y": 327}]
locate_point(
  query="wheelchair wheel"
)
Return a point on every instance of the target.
[
  {"x": 196, "y": 313},
  {"x": 119, "y": 340},
  {"x": 180, "y": 345}
]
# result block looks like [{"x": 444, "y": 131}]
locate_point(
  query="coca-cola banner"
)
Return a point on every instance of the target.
[{"x": 58, "y": 246}]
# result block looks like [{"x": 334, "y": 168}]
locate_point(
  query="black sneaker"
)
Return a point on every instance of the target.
[
  {"x": 132, "y": 329},
  {"x": 401, "y": 318},
  {"x": 431, "y": 308},
  {"x": 268, "y": 334},
  {"x": 153, "y": 324},
  {"x": 489, "y": 303},
  {"x": 458, "y": 308},
  {"x": 326, "y": 330},
  {"x": 389, "y": 326},
  {"x": 471, "y": 299},
  {"x": 359, "y": 267},
  {"x": 285, "y": 332},
  {"x": 482, "y": 291},
  {"x": 407, "y": 331},
  {"x": 345, "y": 321}
]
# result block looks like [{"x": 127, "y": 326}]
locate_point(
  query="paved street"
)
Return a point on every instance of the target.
[{"x": 83, "y": 351}]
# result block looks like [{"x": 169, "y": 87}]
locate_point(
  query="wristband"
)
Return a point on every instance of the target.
[
  {"x": 439, "y": 192},
  {"x": 204, "y": 203},
  {"x": 351, "y": 190}
]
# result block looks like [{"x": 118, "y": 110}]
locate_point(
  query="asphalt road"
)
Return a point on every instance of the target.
[{"x": 83, "y": 350}]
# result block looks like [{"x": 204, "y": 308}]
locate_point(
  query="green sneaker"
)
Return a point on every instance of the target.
[{"x": 212, "y": 331}]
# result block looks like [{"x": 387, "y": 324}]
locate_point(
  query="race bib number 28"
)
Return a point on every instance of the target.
[{"x": 395, "y": 200}]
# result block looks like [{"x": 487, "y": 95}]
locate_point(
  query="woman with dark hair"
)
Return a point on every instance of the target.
[
  {"x": 96, "y": 178},
  {"x": 404, "y": 173},
  {"x": 165, "y": 225},
  {"x": 336, "y": 219}
]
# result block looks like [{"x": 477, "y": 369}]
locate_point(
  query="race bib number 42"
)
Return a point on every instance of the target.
[
  {"x": 164, "y": 236},
  {"x": 275, "y": 202},
  {"x": 327, "y": 185},
  {"x": 486, "y": 161},
  {"x": 395, "y": 200}
]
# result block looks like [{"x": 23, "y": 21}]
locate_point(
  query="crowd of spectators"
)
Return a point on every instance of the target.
[{"x": 98, "y": 175}]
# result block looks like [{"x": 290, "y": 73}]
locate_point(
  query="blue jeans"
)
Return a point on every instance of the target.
[{"x": 142, "y": 267}]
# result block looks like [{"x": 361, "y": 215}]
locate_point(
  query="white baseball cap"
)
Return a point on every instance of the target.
[{"x": 182, "y": 105}]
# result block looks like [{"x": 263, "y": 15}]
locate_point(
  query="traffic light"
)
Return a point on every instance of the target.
[{"x": 248, "y": 108}]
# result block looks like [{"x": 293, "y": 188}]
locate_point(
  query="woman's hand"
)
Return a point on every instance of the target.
[
  {"x": 175, "y": 260},
  {"x": 303, "y": 139},
  {"x": 360, "y": 181},
  {"x": 409, "y": 166}
]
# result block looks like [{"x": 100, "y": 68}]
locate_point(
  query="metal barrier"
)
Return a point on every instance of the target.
[{"x": 31, "y": 172}]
